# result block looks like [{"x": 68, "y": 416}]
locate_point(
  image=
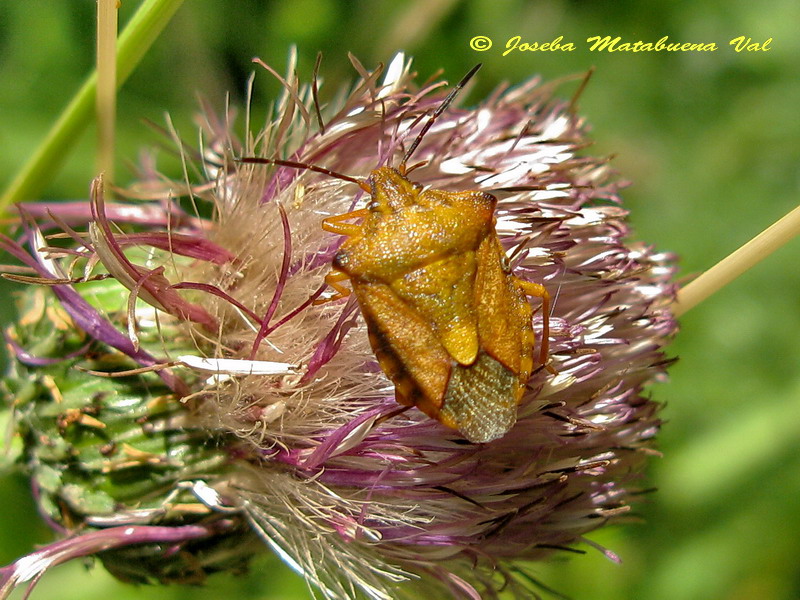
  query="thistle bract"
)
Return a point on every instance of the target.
[{"x": 176, "y": 378}]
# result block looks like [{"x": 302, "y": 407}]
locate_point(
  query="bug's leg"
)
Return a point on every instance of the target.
[
  {"x": 336, "y": 225},
  {"x": 334, "y": 279},
  {"x": 537, "y": 290}
]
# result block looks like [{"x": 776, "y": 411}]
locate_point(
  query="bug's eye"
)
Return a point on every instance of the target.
[
  {"x": 341, "y": 259},
  {"x": 505, "y": 264}
]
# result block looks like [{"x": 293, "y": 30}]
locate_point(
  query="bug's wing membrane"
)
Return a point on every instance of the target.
[
  {"x": 481, "y": 400},
  {"x": 407, "y": 349}
]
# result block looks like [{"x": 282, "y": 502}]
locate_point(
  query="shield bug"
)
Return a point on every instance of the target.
[{"x": 449, "y": 323}]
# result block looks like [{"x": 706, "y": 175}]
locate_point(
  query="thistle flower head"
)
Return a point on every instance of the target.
[{"x": 248, "y": 410}]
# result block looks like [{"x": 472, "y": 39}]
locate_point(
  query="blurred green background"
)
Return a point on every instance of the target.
[{"x": 710, "y": 142}]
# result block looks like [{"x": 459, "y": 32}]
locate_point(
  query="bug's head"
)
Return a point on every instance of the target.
[
  {"x": 391, "y": 191},
  {"x": 390, "y": 188}
]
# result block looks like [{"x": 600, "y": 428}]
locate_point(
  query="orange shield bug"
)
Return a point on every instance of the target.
[{"x": 449, "y": 323}]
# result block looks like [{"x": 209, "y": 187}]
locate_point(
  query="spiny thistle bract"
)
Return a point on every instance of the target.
[{"x": 243, "y": 415}]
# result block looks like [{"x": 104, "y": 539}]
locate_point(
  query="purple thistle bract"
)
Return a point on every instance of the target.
[{"x": 243, "y": 415}]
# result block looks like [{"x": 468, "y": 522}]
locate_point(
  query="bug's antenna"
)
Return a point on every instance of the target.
[
  {"x": 439, "y": 110},
  {"x": 574, "y": 102},
  {"x": 315, "y": 93},
  {"x": 256, "y": 160}
]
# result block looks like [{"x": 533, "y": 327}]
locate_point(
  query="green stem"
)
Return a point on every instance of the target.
[
  {"x": 142, "y": 30},
  {"x": 107, "y": 23}
]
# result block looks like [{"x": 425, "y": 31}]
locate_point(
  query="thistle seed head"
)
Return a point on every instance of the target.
[{"x": 250, "y": 411}]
